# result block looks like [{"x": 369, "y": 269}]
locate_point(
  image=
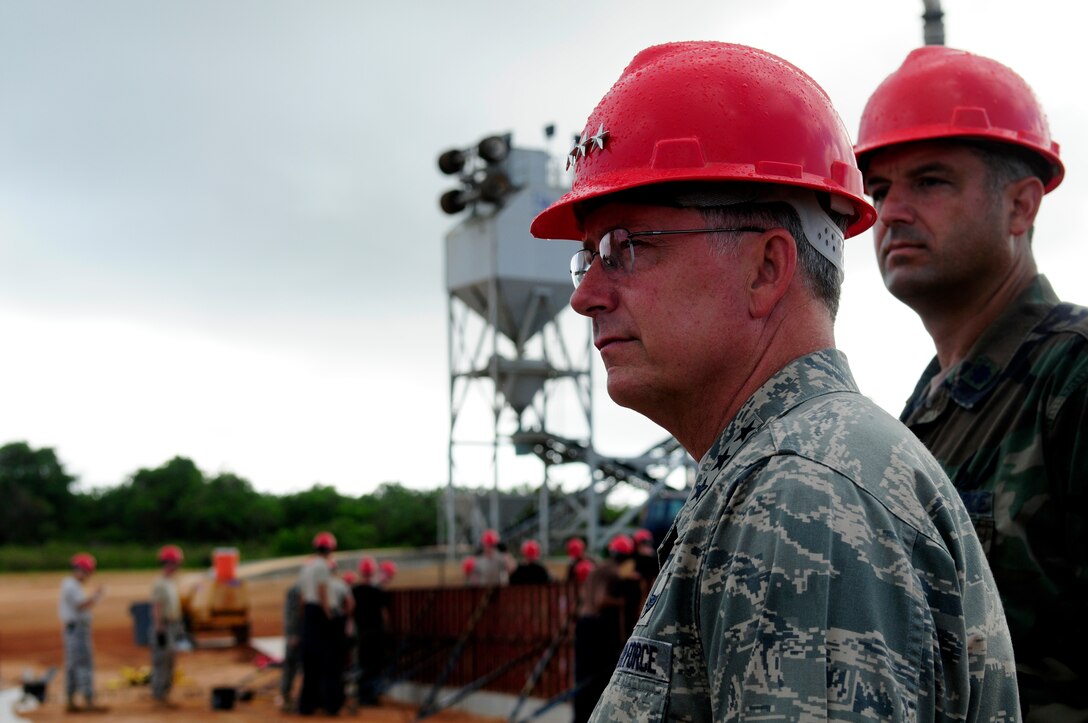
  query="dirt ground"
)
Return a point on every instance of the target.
[{"x": 30, "y": 643}]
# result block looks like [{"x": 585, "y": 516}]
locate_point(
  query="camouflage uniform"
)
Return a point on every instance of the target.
[
  {"x": 1010, "y": 426},
  {"x": 78, "y": 651},
  {"x": 822, "y": 569}
]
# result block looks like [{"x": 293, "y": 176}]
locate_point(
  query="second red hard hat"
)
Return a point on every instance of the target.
[{"x": 941, "y": 92}]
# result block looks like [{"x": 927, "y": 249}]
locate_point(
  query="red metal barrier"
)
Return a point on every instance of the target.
[{"x": 428, "y": 624}]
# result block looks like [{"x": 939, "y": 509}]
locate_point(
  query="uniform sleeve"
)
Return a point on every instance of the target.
[{"x": 809, "y": 608}]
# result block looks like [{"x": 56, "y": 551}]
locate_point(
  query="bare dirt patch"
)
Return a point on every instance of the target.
[{"x": 30, "y": 640}]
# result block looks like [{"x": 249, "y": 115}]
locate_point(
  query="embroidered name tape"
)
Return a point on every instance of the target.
[{"x": 648, "y": 658}]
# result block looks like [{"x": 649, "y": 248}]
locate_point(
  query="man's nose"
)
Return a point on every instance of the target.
[
  {"x": 895, "y": 208},
  {"x": 594, "y": 293}
]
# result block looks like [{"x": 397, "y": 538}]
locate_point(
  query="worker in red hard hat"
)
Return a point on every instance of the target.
[
  {"x": 371, "y": 626},
  {"x": 167, "y": 625},
  {"x": 493, "y": 566},
  {"x": 321, "y": 644},
  {"x": 715, "y": 190},
  {"x": 468, "y": 565},
  {"x": 957, "y": 156},
  {"x": 530, "y": 571},
  {"x": 75, "y": 610},
  {"x": 576, "y": 554},
  {"x": 604, "y": 622},
  {"x": 389, "y": 571},
  {"x": 645, "y": 559}
]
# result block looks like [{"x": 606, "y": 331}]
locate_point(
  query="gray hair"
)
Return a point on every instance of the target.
[{"x": 820, "y": 276}]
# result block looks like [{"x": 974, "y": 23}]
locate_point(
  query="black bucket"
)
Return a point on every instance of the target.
[
  {"x": 223, "y": 698},
  {"x": 35, "y": 690}
]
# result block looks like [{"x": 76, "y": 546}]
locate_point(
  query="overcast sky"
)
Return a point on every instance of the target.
[{"x": 219, "y": 231}]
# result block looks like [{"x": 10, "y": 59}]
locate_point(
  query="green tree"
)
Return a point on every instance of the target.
[
  {"x": 406, "y": 517},
  {"x": 161, "y": 500},
  {"x": 36, "y": 494}
]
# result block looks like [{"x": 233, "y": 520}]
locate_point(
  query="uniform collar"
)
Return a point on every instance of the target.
[
  {"x": 804, "y": 378},
  {"x": 971, "y": 381}
]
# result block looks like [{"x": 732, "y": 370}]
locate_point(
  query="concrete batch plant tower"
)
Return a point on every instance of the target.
[{"x": 512, "y": 360}]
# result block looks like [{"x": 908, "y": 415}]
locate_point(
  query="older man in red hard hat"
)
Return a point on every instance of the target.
[
  {"x": 957, "y": 155},
  {"x": 823, "y": 566},
  {"x": 167, "y": 626},
  {"x": 75, "y": 610}
]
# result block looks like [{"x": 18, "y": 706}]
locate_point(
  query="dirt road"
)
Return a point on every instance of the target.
[{"x": 30, "y": 640}]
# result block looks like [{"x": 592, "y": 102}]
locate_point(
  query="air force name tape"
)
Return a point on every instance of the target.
[{"x": 647, "y": 658}]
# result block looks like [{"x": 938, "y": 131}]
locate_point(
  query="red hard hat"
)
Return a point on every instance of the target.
[
  {"x": 575, "y": 547},
  {"x": 84, "y": 561},
  {"x": 367, "y": 566},
  {"x": 388, "y": 568},
  {"x": 530, "y": 550},
  {"x": 171, "y": 553},
  {"x": 643, "y": 535},
  {"x": 582, "y": 570},
  {"x": 940, "y": 92},
  {"x": 350, "y": 577},
  {"x": 468, "y": 565},
  {"x": 712, "y": 112},
  {"x": 324, "y": 541},
  {"x": 622, "y": 545},
  {"x": 489, "y": 538}
]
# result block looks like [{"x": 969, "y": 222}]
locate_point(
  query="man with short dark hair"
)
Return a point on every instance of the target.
[
  {"x": 823, "y": 567},
  {"x": 957, "y": 156}
]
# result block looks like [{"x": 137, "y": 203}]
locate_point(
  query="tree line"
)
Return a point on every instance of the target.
[{"x": 177, "y": 502}]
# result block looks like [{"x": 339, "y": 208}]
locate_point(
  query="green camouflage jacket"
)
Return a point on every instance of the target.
[
  {"x": 823, "y": 568},
  {"x": 1010, "y": 426}
]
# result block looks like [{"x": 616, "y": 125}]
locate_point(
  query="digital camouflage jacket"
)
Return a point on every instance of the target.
[{"x": 823, "y": 568}]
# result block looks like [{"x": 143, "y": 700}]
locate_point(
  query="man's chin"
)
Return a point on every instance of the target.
[
  {"x": 625, "y": 392},
  {"x": 905, "y": 286}
]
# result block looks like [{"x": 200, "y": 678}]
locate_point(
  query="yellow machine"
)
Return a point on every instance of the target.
[{"x": 218, "y": 601}]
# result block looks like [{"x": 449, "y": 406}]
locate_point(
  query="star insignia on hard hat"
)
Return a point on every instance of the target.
[
  {"x": 583, "y": 148},
  {"x": 572, "y": 157},
  {"x": 599, "y": 137}
]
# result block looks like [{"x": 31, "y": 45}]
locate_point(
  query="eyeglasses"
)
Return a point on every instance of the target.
[{"x": 616, "y": 249}]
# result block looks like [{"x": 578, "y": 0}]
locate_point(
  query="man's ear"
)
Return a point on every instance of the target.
[
  {"x": 774, "y": 263},
  {"x": 1024, "y": 197}
]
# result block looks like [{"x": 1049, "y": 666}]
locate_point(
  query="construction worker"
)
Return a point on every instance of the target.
[
  {"x": 576, "y": 554},
  {"x": 823, "y": 565},
  {"x": 645, "y": 559},
  {"x": 292, "y": 654},
  {"x": 530, "y": 571},
  {"x": 468, "y": 565},
  {"x": 957, "y": 156},
  {"x": 322, "y": 686},
  {"x": 600, "y": 630},
  {"x": 491, "y": 568},
  {"x": 75, "y": 611},
  {"x": 341, "y": 631},
  {"x": 371, "y": 624},
  {"x": 388, "y": 569},
  {"x": 167, "y": 628}
]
